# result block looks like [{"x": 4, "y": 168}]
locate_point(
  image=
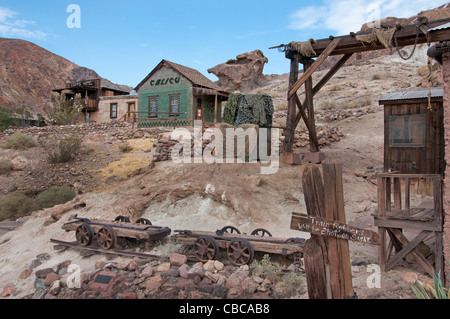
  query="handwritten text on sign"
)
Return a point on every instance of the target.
[{"x": 325, "y": 227}]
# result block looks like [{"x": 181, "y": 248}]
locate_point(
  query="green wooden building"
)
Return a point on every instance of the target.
[{"x": 175, "y": 95}]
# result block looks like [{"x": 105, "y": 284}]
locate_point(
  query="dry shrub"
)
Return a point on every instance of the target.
[
  {"x": 54, "y": 196},
  {"x": 62, "y": 149},
  {"x": 5, "y": 166},
  {"x": 15, "y": 205},
  {"x": 423, "y": 70},
  {"x": 19, "y": 141},
  {"x": 125, "y": 147}
]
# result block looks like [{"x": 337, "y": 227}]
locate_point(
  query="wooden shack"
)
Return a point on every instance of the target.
[{"x": 414, "y": 131}]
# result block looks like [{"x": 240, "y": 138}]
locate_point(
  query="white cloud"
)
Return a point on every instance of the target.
[
  {"x": 344, "y": 16},
  {"x": 11, "y": 27}
]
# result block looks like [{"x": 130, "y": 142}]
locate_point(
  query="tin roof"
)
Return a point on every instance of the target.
[
  {"x": 440, "y": 27},
  {"x": 413, "y": 94}
]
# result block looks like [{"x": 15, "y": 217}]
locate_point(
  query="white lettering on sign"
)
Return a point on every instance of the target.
[{"x": 321, "y": 226}]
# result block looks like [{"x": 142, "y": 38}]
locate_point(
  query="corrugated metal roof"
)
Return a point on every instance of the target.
[
  {"x": 413, "y": 94},
  {"x": 440, "y": 27}
]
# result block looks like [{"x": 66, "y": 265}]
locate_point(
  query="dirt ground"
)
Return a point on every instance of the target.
[{"x": 208, "y": 197}]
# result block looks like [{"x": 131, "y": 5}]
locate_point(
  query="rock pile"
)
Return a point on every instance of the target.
[
  {"x": 140, "y": 279},
  {"x": 340, "y": 114},
  {"x": 325, "y": 136}
]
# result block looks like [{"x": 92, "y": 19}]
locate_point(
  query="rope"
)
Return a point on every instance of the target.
[{"x": 415, "y": 45}]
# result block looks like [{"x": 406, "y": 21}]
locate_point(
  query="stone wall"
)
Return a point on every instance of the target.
[
  {"x": 104, "y": 107},
  {"x": 446, "y": 234}
]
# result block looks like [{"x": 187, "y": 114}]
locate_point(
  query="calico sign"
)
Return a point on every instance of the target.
[{"x": 326, "y": 227}]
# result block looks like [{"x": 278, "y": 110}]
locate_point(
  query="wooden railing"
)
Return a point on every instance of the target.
[{"x": 391, "y": 184}]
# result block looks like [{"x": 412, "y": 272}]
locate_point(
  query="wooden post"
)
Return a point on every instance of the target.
[
  {"x": 215, "y": 109},
  {"x": 326, "y": 254},
  {"x": 315, "y": 253},
  {"x": 338, "y": 249},
  {"x": 291, "y": 112}
]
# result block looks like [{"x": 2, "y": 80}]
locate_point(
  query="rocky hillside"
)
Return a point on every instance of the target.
[{"x": 28, "y": 73}]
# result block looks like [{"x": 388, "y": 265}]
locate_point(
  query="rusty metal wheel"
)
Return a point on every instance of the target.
[
  {"x": 230, "y": 230},
  {"x": 143, "y": 221},
  {"x": 240, "y": 251},
  {"x": 84, "y": 234},
  {"x": 206, "y": 248},
  {"x": 106, "y": 237},
  {"x": 121, "y": 218},
  {"x": 261, "y": 232}
]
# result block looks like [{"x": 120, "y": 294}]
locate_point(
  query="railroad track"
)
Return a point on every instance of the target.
[{"x": 119, "y": 252}]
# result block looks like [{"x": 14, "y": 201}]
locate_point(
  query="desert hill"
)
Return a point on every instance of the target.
[{"x": 29, "y": 72}]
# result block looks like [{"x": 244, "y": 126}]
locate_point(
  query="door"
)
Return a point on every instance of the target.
[{"x": 131, "y": 112}]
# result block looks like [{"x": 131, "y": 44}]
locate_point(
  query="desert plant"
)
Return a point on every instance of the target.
[
  {"x": 427, "y": 291},
  {"x": 19, "y": 141},
  {"x": 265, "y": 268},
  {"x": 15, "y": 205},
  {"x": 54, "y": 196},
  {"x": 65, "y": 112},
  {"x": 5, "y": 119},
  {"x": 62, "y": 149},
  {"x": 423, "y": 70},
  {"x": 5, "y": 166},
  {"x": 125, "y": 147}
]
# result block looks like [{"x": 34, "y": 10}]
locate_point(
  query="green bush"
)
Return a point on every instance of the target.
[
  {"x": 5, "y": 119},
  {"x": 54, "y": 196},
  {"x": 19, "y": 141},
  {"x": 16, "y": 205},
  {"x": 5, "y": 166}
]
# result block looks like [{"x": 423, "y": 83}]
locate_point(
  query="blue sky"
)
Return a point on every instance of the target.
[{"x": 124, "y": 40}]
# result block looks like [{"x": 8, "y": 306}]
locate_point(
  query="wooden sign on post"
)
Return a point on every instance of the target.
[
  {"x": 334, "y": 229},
  {"x": 326, "y": 253}
]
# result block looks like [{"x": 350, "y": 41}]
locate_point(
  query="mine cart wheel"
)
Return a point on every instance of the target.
[
  {"x": 240, "y": 251},
  {"x": 230, "y": 230},
  {"x": 121, "y": 218},
  {"x": 143, "y": 221},
  {"x": 261, "y": 232},
  {"x": 106, "y": 237},
  {"x": 84, "y": 234},
  {"x": 206, "y": 248}
]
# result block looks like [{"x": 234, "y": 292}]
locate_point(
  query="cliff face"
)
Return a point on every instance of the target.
[{"x": 28, "y": 73}]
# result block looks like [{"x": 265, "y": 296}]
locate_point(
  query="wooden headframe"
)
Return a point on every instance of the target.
[{"x": 345, "y": 46}]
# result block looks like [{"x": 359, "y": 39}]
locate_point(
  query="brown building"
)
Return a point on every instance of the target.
[
  {"x": 91, "y": 92},
  {"x": 414, "y": 131}
]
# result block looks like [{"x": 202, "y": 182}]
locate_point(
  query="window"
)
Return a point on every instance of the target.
[
  {"x": 113, "y": 110},
  {"x": 407, "y": 130},
  {"x": 174, "y": 104},
  {"x": 152, "y": 106}
]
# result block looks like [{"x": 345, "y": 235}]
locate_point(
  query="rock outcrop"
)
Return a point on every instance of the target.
[{"x": 242, "y": 74}]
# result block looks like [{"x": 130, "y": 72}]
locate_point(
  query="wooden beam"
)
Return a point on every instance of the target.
[
  {"x": 291, "y": 113},
  {"x": 406, "y": 35},
  {"x": 311, "y": 129},
  {"x": 313, "y": 145},
  {"x": 331, "y": 72},
  {"x": 314, "y": 66}
]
